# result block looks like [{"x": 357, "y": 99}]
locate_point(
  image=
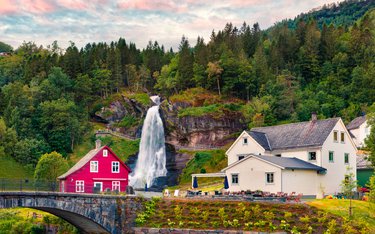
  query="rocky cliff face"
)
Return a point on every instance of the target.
[
  {"x": 188, "y": 131},
  {"x": 200, "y": 131}
]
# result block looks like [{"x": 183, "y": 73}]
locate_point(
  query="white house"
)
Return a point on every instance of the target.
[
  {"x": 360, "y": 130},
  {"x": 307, "y": 157}
]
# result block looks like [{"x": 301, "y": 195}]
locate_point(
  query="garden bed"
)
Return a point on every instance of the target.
[{"x": 252, "y": 216}]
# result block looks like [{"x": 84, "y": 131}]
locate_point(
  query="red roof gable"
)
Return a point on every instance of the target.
[{"x": 84, "y": 160}]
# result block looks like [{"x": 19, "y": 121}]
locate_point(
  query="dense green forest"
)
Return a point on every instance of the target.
[{"x": 48, "y": 95}]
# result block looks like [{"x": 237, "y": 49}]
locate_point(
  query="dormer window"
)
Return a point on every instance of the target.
[
  {"x": 105, "y": 153},
  {"x": 241, "y": 157},
  {"x": 312, "y": 156},
  {"x": 335, "y": 136},
  {"x": 342, "y": 138},
  {"x": 244, "y": 141}
]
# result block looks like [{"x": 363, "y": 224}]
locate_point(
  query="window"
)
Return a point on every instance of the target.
[
  {"x": 330, "y": 156},
  {"x": 105, "y": 153},
  {"x": 342, "y": 137},
  {"x": 346, "y": 158},
  {"x": 115, "y": 167},
  {"x": 335, "y": 136},
  {"x": 269, "y": 177},
  {"x": 241, "y": 157},
  {"x": 312, "y": 156},
  {"x": 278, "y": 155},
  {"x": 80, "y": 186},
  {"x": 245, "y": 141},
  {"x": 116, "y": 186},
  {"x": 94, "y": 166},
  {"x": 98, "y": 186},
  {"x": 234, "y": 178}
]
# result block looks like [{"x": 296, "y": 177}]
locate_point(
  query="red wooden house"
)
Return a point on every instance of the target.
[{"x": 99, "y": 170}]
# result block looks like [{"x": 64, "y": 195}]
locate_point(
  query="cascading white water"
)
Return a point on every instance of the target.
[{"x": 151, "y": 158}]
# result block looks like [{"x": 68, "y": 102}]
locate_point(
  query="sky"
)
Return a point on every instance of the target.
[{"x": 138, "y": 21}]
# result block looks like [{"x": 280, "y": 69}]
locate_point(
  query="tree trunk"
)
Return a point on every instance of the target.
[{"x": 218, "y": 85}]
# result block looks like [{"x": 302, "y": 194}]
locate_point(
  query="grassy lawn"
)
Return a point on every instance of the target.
[
  {"x": 362, "y": 211},
  {"x": 12, "y": 169}
]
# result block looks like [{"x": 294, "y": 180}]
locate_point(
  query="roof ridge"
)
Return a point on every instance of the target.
[{"x": 319, "y": 120}]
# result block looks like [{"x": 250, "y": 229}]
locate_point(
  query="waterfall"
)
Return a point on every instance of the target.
[{"x": 151, "y": 158}]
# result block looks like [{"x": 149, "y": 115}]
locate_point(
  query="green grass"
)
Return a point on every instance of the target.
[
  {"x": 362, "y": 210},
  {"x": 142, "y": 98},
  {"x": 121, "y": 147},
  {"x": 209, "y": 160},
  {"x": 128, "y": 121},
  {"x": 201, "y": 111},
  {"x": 12, "y": 169}
]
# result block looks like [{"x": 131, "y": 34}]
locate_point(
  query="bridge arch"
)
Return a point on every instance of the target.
[{"x": 91, "y": 213}]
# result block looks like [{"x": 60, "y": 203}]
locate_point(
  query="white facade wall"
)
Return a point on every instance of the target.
[
  {"x": 360, "y": 134},
  {"x": 239, "y": 148},
  {"x": 336, "y": 170},
  {"x": 251, "y": 176},
  {"x": 301, "y": 154},
  {"x": 301, "y": 181},
  {"x": 364, "y": 132}
]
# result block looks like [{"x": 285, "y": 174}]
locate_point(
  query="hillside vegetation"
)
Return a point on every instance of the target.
[{"x": 271, "y": 76}]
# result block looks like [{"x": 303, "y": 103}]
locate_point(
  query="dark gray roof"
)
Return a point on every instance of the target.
[
  {"x": 295, "y": 135},
  {"x": 261, "y": 138},
  {"x": 355, "y": 123},
  {"x": 363, "y": 162},
  {"x": 290, "y": 163}
]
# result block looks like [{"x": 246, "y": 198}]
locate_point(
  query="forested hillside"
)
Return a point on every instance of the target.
[{"x": 48, "y": 95}]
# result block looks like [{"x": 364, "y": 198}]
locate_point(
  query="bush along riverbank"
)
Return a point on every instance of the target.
[{"x": 251, "y": 216}]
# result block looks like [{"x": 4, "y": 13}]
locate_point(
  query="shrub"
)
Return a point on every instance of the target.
[
  {"x": 178, "y": 212},
  {"x": 205, "y": 215},
  {"x": 284, "y": 225},
  {"x": 304, "y": 219}
]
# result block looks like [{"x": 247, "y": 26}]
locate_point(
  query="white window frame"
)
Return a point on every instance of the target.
[
  {"x": 243, "y": 141},
  {"x": 101, "y": 185},
  {"x": 333, "y": 156},
  {"x": 273, "y": 177},
  {"x": 116, "y": 184},
  {"x": 80, "y": 186},
  {"x": 342, "y": 140},
  {"x": 308, "y": 156},
  {"x": 105, "y": 153},
  {"x": 118, "y": 166},
  {"x": 238, "y": 179},
  {"x": 348, "y": 158},
  {"x": 337, "y": 136},
  {"x": 93, "y": 167}
]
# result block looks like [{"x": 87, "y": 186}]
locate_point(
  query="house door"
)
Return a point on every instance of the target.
[
  {"x": 99, "y": 186},
  {"x": 63, "y": 186}
]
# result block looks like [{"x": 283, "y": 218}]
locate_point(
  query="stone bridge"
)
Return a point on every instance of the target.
[{"x": 90, "y": 213}]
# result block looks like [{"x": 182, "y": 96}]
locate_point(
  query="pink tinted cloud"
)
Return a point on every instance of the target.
[
  {"x": 7, "y": 7},
  {"x": 73, "y": 4},
  {"x": 149, "y": 5},
  {"x": 37, "y": 6}
]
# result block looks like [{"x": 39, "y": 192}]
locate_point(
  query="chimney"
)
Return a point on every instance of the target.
[
  {"x": 314, "y": 117},
  {"x": 98, "y": 144}
]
